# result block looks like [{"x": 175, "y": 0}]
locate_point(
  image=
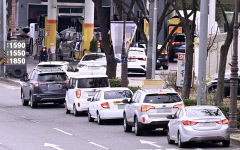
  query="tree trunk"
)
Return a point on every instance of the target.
[{"x": 107, "y": 46}]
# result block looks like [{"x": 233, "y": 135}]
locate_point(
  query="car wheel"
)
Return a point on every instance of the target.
[
  {"x": 165, "y": 67},
  {"x": 180, "y": 143},
  {"x": 90, "y": 119},
  {"x": 226, "y": 143},
  {"x": 67, "y": 111},
  {"x": 138, "y": 129},
  {"x": 24, "y": 102},
  {"x": 75, "y": 112},
  {"x": 33, "y": 104},
  {"x": 126, "y": 126},
  {"x": 169, "y": 139},
  {"x": 99, "y": 120}
]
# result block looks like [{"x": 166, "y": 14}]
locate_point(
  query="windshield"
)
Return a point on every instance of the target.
[
  {"x": 117, "y": 94},
  {"x": 52, "y": 77},
  {"x": 93, "y": 82},
  {"x": 94, "y": 57},
  {"x": 162, "y": 98},
  {"x": 203, "y": 113}
]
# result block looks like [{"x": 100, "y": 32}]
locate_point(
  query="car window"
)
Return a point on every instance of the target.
[
  {"x": 179, "y": 38},
  {"x": 69, "y": 68},
  {"x": 162, "y": 98},
  {"x": 93, "y": 82},
  {"x": 51, "y": 77},
  {"x": 98, "y": 96},
  {"x": 137, "y": 98},
  {"x": 117, "y": 94},
  {"x": 95, "y": 96},
  {"x": 181, "y": 114},
  {"x": 203, "y": 112},
  {"x": 94, "y": 57},
  {"x": 176, "y": 115},
  {"x": 74, "y": 83}
]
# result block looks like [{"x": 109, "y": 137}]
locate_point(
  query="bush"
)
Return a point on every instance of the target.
[
  {"x": 190, "y": 102},
  {"x": 134, "y": 88},
  {"x": 115, "y": 82},
  {"x": 93, "y": 46}
]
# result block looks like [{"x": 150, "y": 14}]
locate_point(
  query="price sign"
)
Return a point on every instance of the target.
[{"x": 15, "y": 53}]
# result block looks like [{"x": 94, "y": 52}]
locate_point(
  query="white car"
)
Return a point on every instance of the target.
[
  {"x": 63, "y": 65},
  {"x": 93, "y": 63},
  {"x": 137, "y": 60},
  {"x": 107, "y": 104},
  {"x": 198, "y": 124},
  {"x": 80, "y": 88}
]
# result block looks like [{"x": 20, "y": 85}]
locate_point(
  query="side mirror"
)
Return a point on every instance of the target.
[
  {"x": 25, "y": 78},
  {"x": 125, "y": 101},
  {"x": 170, "y": 117},
  {"x": 89, "y": 99},
  {"x": 76, "y": 70}
]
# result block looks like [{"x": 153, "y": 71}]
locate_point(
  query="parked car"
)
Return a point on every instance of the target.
[
  {"x": 107, "y": 104},
  {"x": 198, "y": 124},
  {"x": 162, "y": 58},
  {"x": 177, "y": 45},
  {"x": 44, "y": 86},
  {"x": 137, "y": 60},
  {"x": 80, "y": 88},
  {"x": 63, "y": 65},
  {"x": 93, "y": 63},
  {"x": 148, "y": 109}
]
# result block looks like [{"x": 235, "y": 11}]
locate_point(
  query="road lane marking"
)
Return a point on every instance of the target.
[
  {"x": 64, "y": 132},
  {"x": 98, "y": 145},
  {"x": 35, "y": 121},
  {"x": 24, "y": 117},
  {"x": 150, "y": 143},
  {"x": 57, "y": 147}
]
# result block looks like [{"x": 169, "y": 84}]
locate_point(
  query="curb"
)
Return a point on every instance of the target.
[
  {"x": 10, "y": 80},
  {"x": 235, "y": 138}
]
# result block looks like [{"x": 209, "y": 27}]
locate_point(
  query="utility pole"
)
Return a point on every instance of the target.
[
  {"x": 202, "y": 57},
  {"x": 234, "y": 74},
  {"x": 14, "y": 36},
  {"x": 124, "y": 58}
]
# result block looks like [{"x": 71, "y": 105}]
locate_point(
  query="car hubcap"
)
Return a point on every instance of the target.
[
  {"x": 124, "y": 124},
  {"x": 179, "y": 139}
]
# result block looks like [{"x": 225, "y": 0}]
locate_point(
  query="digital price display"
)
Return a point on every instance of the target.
[{"x": 15, "y": 53}]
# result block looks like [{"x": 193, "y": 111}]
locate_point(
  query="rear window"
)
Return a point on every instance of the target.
[
  {"x": 162, "y": 98},
  {"x": 117, "y": 94},
  {"x": 94, "y": 57},
  {"x": 52, "y": 77},
  {"x": 93, "y": 82},
  {"x": 179, "y": 38},
  {"x": 203, "y": 113}
]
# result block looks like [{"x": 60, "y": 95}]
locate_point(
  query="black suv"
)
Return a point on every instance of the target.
[
  {"x": 177, "y": 45},
  {"x": 44, "y": 86}
]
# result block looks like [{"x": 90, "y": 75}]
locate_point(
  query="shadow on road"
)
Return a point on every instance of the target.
[{"x": 50, "y": 106}]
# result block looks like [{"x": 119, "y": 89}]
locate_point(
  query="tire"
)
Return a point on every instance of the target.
[
  {"x": 99, "y": 120},
  {"x": 180, "y": 143},
  {"x": 168, "y": 138},
  {"x": 24, "y": 102},
  {"x": 18, "y": 73},
  {"x": 90, "y": 119},
  {"x": 75, "y": 112},
  {"x": 138, "y": 129},
  {"x": 126, "y": 126},
  {"x": 33, "y": 104},
  {"x": 165, "y": 67},
  {"x": 226, "y": 143},
  {"x": 67, "y": 111}
]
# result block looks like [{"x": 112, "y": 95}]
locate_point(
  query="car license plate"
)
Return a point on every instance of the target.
[
  {"x": 131, "y": 60},
  {"x": 121, "y": 106},
  {"x": 54, "y": 86},
  {"x": 117, "y": 102},
  {"x": 207, "y": 124},
  {"x": 164, "y": 110}
]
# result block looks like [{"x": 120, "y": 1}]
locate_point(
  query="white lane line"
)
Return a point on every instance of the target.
[
  {"x": 35, "y": 121},
  {"x": 150, "y": 143},
  {"x": 54, "y": 146},
  {"x": 24, "y": 117},
  {"x": 64, "y": 132},
  {"x": 98, "y": 145}
]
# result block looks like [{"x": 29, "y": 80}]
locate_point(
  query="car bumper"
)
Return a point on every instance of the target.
[
  {"x": 111, "y": 114},
  {"x": 189, "y": 134},
  {"x": 47, "y": 98},
  {"x": 153, "y": 123},
  {"x": 136, "y": 68},
  {"x": 83, "y": 106}
]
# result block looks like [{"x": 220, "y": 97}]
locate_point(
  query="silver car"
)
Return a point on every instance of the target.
[
  {"x": 148, "y": 109},
  {"x": 198, "y": 123}
]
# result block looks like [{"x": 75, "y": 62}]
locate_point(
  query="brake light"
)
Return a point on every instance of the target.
[
  {"x": 186, "y": 122},
  {"x": 78, "y": 93},
  {"x": 145, "y": 108},
  {"x": 78, "y": 104},
  {"x": 174, "y": 43},
  {"x": 144, "y": 59},
  {"x": 164, "y": 53},
  {"x": 105, "y": 105},
  {"x": 225, "y": 121},
  {"x": 36, "y": 84},
  {"x": 81, "y": 65},
  {"x": 162, "y": 94},
  {"x": 179, "y": 106},
  {"x": 65, "y": 82}
]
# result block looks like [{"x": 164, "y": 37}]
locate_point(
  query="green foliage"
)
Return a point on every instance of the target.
[
  {"x": 190, "y": 102},
  {"x": 134, "y": 88},
  {"x": 115, "y": 82},
  {"x": 93, "y": 46}
]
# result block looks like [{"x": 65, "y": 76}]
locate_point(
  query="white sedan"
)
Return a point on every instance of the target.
[
  {"x": 107, "y": 104},
  {"x": 137, "y": 60}
]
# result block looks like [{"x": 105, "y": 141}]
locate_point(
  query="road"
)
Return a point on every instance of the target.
[{"x": 49, "y": 128}]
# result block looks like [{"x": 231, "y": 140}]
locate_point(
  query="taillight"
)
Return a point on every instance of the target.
[
  {"x": 81, "y": 65},
  {"x": 65, "y": 82},
  {"x": 105, "y": 105},
  {"x": 144, "y": 59},
  {"x": 145, "y": 108},
  {"x": 225, "y": 121},
  {"x": 78, "y": 104},
  {"x": 186, "y": 122},
  {"x": 174, "y": 43},
  {"x": 164, "y": 53},
  {"x": 178, "y": 106},
  {"x": 78, "y": 93},
  {"x": 36, "y": 84}
]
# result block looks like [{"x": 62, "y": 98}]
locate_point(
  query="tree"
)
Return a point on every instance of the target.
[
  {"x": 107, "y": 46},
  {"x": 223, "y": 56},
  {"x": 189, "y": 28}
]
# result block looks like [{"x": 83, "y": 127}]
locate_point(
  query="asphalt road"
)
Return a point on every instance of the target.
[{"x": 48, "y": 127}]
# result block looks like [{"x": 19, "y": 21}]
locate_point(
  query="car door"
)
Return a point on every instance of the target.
[
  {"x": 30, "y": 84},
  {"x": 97, "y": 105},
  {"x": 25, "y": 87},
  {"x": 174, "y": 124},
  {"x": 91, "y": 105},
  {"x": 71, "y": 93},
  {"x": 131, "y": 108}
]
